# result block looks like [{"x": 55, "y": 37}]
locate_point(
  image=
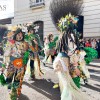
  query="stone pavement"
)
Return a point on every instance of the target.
[
  {"x": 93, "y": 88},
  {"x": 41, "y": 89}
]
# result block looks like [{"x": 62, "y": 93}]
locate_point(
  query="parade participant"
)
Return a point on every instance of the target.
[
  {"x": 34, "y": 45},
  {"x": 7, "y": 46},
  {"x": 65, "y": 23},
  {"x": 18, "y": 54},
  {"x": 52, "y": 45},
  {"x": 86, "y": 55},
  {"x": 61, "y": 65},
  {"x": 49, "y": 48}
]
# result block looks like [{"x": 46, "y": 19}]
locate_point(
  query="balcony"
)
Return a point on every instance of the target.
[{"x": 37, "y": 4}]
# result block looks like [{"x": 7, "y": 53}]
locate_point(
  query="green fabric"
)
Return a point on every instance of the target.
[
  {"x": 13, "y": 95},
  {"x": 26, "y": 57},
  {"x": 53, "y": 44},
  {"x": 77, "y": 81},
  {"x": 29, "y": 38},
  {"x": 2, "y": 79},
  {"x": 3, "y": 65},
  {"x": 90, "y": 54}
]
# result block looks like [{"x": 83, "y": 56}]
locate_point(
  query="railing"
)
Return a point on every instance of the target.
[{"x": 37, "y": 3}]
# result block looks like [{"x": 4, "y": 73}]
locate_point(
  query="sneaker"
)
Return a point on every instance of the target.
[{"x": 55, "y": 86}]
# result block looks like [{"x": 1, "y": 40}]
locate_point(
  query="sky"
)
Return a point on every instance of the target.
[{"x": 9, "y": 11}]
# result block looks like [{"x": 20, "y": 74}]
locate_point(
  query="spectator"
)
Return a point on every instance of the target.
[
  {"x": 93, "y": 43},
  {"x": 83, "y": 43},
  {"x": 88, "y": 44},
  {"x": 98, "y": 48}
]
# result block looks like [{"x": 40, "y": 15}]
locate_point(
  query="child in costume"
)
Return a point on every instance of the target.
[
  {"x": 18, "y": 54},
  {"x": 49, "y": 47},
  {"x": 52, "y": 45}
]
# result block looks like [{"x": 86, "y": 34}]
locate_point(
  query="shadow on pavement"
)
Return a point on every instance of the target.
[
  {"x": 91, "y": 87},
  {"x": 96, "y": 78},
  {"x": 23, "y": 97},
  {"x": 94, "y": 71},
  {"x": 97, "y": 85},
  {"x": 46, "y": 88},
  {"x": 94, "y": 65}
]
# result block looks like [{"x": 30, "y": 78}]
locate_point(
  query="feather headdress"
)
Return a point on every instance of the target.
[
  {"x": 61, "y": 8},
  {"x": 64, "y": 15}
]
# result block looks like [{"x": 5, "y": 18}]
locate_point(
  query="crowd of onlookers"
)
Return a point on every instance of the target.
[{"x": 94, "y": 43}]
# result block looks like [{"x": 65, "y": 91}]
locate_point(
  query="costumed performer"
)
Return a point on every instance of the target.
[
  {"x": 18, "y": 54},
  {"x": 34, "y": 45},
  {"x": 65, "y": 22}
]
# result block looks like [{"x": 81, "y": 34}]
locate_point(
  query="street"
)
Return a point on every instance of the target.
[{"x": 42, "y": 89}]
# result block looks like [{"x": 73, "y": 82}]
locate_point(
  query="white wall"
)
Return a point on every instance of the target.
[
  {"x": 91, "y": 18},
  {"x": 24, "y": 14}
]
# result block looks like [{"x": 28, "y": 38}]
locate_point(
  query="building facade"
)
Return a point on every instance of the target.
[{"x": 38, "y": 12}]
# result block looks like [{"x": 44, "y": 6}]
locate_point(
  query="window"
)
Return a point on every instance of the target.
[{"x": 38, "y": 1}]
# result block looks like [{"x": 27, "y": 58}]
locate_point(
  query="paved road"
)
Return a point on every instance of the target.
[
  {"x": 41, "y": 89},
  {"x": 93, "y": 88}
]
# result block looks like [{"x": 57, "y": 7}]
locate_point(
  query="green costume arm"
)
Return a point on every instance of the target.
[
  {"x": 2, "y": 78},
  {"x": 26, "y": 57},
  {"x": 53, "y": 44},
  {"x": 31, "y": 37}
]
